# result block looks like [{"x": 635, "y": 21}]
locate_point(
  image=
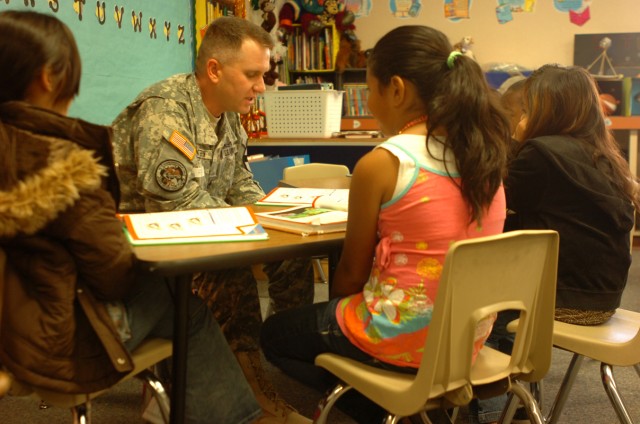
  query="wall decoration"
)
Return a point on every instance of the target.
[
  {"x": 120, "y": 46},
  {"x": 405, "y": 8},
  {"x": 567, "y": 5},
  {"x": 608, "y": 54},
  {"x": 580, "y": 17},
  {"x": 360, "y": 8},
  {"x": 506, "y": 9},
  {"x": 455, "y": 10},
  {"x": 579, "y": 11}
]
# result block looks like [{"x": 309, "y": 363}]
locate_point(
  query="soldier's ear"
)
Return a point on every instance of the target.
[{"x": 214, "y": 68}]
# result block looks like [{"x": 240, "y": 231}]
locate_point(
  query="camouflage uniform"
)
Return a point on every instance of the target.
[{"x": 172, "y": 154}]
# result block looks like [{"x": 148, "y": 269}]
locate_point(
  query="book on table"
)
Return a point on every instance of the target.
[
  {"x": 328, "y": 198},
  {"x": 193, "y": 226},
  {"x": 305, "y": 220}
]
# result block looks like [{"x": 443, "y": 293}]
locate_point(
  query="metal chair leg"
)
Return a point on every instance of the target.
[
  {"x": 318, "y": 265},
  {"x": 567, "y": 383},
  {"x": 325, "y": 404},
  {"x": 82, "y": 413},
  {"x": 159, "y": 393},
  {"x": 509, "y": 410},
  {"x": 530, "y": 404},
  {"x": 606, "y": 372}
]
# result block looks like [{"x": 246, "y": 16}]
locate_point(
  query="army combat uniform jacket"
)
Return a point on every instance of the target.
[{"x": 172, "y": 154}]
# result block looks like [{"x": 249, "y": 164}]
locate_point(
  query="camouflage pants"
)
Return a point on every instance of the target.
[{"x": 232, "y": 296}]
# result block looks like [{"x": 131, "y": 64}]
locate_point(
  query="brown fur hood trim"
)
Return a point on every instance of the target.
[{"x": 38, "y": 199}]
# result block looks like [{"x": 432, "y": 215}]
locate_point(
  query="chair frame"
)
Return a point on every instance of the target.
[
  {"x": 149, "y": 353},
  {"x": 517, "y": 271},
  {"x": 621, "y": 332},
  {"x": 613, "y": 343},
  {"x": 315, "y": 170}
]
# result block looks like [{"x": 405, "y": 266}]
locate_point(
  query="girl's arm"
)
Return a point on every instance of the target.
[{"x": 372, "y": 184}]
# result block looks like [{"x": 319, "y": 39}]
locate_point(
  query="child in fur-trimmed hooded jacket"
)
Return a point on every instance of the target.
[{"x": 71, "y": 300}]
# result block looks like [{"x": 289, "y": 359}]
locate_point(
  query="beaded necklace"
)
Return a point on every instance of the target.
[{"x": 413, "y": 123}]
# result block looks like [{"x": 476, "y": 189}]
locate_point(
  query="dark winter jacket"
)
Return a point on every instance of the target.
[
  {"x": 66, "y": 252},
  {"x": 554, "y": 184}
]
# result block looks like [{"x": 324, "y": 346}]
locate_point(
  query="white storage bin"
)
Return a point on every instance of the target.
[{"x": 303, "y": 113}]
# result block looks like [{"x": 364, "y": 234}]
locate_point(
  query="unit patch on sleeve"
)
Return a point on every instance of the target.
[
  {"x": 181, "y": 143},
  {"x": 171, "y": 175}
]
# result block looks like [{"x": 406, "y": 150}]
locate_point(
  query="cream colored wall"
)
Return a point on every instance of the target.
[{"x": 529, "y": 40}]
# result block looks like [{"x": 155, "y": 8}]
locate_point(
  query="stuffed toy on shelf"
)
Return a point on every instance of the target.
[{"x": 314, "y": 15}]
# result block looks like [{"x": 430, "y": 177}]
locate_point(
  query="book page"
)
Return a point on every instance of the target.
[
  {"x": 293, "y": 196},
  {"x": 190, "y": 223}
]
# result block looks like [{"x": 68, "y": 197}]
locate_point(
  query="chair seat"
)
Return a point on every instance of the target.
[
  {"x": 388, "y": 389},
  {"x": 146, "y": 355},
  {"x": 491, "y": 365},
  {"x": 480, "y": 277},
  {"x": 610, "y": 342}
]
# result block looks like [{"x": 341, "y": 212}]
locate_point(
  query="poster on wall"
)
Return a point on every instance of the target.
[
  {"x": 454, "y": 10},
  {"x": 579, "y": 11},
  {"x": 405, "y": 8},
  {"x": 125, "y": 46},
  {"x": 506, "y": 9},
  {"x": 360, "y": 8}
]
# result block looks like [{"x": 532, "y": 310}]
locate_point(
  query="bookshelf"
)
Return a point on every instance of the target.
[
  {"x": 353, "y": 82},
  {"x": 312, "y": 58}
]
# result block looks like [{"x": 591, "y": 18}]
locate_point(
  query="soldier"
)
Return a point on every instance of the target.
[{"x": 181, "y": 145}]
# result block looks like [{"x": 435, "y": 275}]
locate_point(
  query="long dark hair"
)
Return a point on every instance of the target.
[
  {"x": 565, "y": 101},
  {"x": 30, "y": 41},
  {"x": 457, "y": 99}
]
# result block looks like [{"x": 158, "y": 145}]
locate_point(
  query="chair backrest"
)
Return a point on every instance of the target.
[
  {"x": 510, "y": 271},
  {"x": 314, "y": 170}
]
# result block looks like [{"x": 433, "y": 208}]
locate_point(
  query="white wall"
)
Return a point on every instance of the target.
[{"x": 530, "y": 39}]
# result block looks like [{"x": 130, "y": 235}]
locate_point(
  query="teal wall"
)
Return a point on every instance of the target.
[{"x": 120, "y": 60}]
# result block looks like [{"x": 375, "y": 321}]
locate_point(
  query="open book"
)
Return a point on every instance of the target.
[
  {"x": 305, "y": 220},
  {"x": 193, "y": 226},
  {"x": 329, "y": 198}
]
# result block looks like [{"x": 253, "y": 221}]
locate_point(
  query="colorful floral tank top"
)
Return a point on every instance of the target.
[{"x": 390, "y": 318}]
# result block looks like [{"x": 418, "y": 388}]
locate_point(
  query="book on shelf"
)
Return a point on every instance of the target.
[
  {"x": 307, "y": 86},
  {"x": 193, "y": 226},
  {"x": 357, "y": 134},
  {"x": 311, "y": 52},
  {"x": 328, "y": 198},
  {"x": 305, "y": 220},
  {"x": 355, "y": 99}
]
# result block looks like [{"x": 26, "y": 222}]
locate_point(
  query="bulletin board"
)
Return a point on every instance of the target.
[
  {"x": 623, "y": 51},
  {"x": 125, "y": 46}
]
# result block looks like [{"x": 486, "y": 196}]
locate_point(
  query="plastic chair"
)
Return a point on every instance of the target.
[
  {"x": 614, "y": 343},
  {"x": 511, "y": 271},
  {"x": 148, "y": 354},
  {"x": 315, "y": 171}
]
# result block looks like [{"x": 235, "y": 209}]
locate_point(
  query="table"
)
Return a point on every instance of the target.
[{"x": 179, "y": 262}]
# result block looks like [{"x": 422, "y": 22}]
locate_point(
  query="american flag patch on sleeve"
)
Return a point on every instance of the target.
[{"x": 181, "y": 143}]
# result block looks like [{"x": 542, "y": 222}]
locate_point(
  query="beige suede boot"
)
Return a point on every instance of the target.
[{"x": 276, "y": 409}]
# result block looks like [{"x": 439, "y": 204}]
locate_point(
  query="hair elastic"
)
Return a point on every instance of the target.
[{"x": 452, "y": 58}]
